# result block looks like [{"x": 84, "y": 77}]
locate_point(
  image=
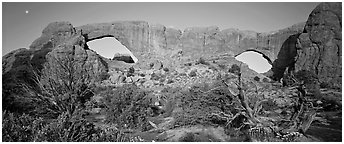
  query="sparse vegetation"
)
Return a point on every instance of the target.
[
  {"x": 256, "y": 78},
  {"x": 166, "y": 69},
  {"x": 222, "y": 66},
  {"x": 169, "y": 81},
  {"x": 234, "y": 69},
  {"x": 201, "y": 61},
  {"x": 193, "y": 73},
  {"x": 127, "y": 107}
]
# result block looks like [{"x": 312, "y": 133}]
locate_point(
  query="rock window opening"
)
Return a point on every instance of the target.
[
  {"x": 255, "y": 61},
  {"x": 111, "y": 48}
]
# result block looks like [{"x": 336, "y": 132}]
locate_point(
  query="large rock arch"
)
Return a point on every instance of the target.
[{"x": 131, "y": 34}]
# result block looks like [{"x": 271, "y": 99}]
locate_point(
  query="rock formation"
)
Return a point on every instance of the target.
[
  {"x": 145, "y": 40},
  {"x": 320, "y": 47},
  {"x": 58, "y": 39},
  {"x": 123, "y": 57},
  {"x": 317, "y": 49}
]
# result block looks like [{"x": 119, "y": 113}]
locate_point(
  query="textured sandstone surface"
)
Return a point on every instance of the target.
[
  {"x": 314, "y": 45},
  {"x": 320, "y": 47},
  {"x": 57, "y": 39}
]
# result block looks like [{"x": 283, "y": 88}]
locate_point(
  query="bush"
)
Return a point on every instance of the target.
[
  {"x": 197, "y": 106},
  {"x": 19, "y": 127},
  {"x": 166, "y": 69},
  {"x": 182, "y": 74},
  {"x": 142, "y": 75},
  {"x": 222, "y": 66},
  {"x": 201, "y": 61},
  {"x": 63, "y": 86},
  {"x": 131, "y": 71},
  {"x": 188, "y": 64},
  {"x": 193, "y": 73},
  {"x": 325, "y": 85},
  {"x": 256, "y": 78},
  {"x": 68, "y": 128},
  {"x": 127, "y": 106},
  {"x": 307, "y": 76},
  {"x": 188, "y": 137},
  {"x": 265, "y": 80},
  {"x": 156, "y": 77},
  {"x": 234, "y": 69},
  {"x": 151, "y": 65},
  {"x": 169, "y": 81},
  {"x": 104, "y": 76}
]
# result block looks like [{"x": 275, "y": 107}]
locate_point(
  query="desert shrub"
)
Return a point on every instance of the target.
[
  {"x": 325, "y": 85},
  {"x": 169, "y": 81},
  {"x": 193, "y": 73},
  {"x": 269, "y": 105},
  {"x": 157, "y": 77},
  {"x": 256, "y": 78},
  {"x": 104, "y": 76},
  {"x": 19, "y": 127},
  {"x": 222, "y": 66},
  {"x": 161, "y": 80},
  {"x": 127, "y": 106},
  {"x": 142, "y": 75},
  {"x": 311, "y": 81},
  {"x": 188, "y": 64},
  {"x": 182, "y": 74},
  {"x": 188, "y": 137},
  {"x": 131, "y": 72},
  {"x": 307, "y": 76},
  {"x": 234, "y": 69},
  {"x": 212, "y": 67},
  {"x": 198, "y": 106},
  {"x": 151, "y": 65},
  {"x": 68, "y": 128},
  {"x": 63, "y": 86},
  {"x": 15, "y": 98},
  {"x": 166, "y": 69},
  {"x": 201, "y": 61},
  {"x": 265, "y": 80}
]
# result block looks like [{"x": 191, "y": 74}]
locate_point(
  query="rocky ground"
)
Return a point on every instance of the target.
[{"x": 203, "y": 76}]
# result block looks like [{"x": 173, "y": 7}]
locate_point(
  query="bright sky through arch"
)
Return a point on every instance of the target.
[
  {"x": 108, "y": 47},
  {"x": 255, "y": 61}
]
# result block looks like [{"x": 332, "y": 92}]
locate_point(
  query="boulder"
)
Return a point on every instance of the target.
[
  {"x": 319, "y": 48},
  {"x": 123, "y": 57}
]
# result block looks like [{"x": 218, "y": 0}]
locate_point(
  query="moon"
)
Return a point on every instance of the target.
[{"x": 26, "y": 11}]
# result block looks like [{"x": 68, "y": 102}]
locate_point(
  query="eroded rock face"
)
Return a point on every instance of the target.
[
  {"x": 317, "y": 49},
  {"x": 54, "y": 34},
  {"x": 58, "y": 39},
  {"x": 85, "y": 61},
  {"x": 153, "y": 41},
  {"x": 320, "y": 47}
]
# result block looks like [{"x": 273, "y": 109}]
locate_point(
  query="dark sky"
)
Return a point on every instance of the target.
[{"x": 20, "y": 29}]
